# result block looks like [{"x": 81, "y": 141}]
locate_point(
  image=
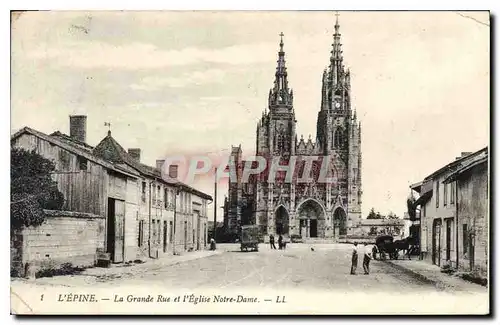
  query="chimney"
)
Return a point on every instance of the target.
[
  {"x": 172, "y": 171},
  {"x": 465, "y": 154},
  {"x": 135, "y": 153},
  {"x": 78, "y": 127},
  {"x": 159, "y": 163}
]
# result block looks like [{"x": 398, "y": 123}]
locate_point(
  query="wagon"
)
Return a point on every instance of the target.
[{"x": 385, "y": 247}]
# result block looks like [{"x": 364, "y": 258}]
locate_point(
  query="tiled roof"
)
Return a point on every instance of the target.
[
  {"x": 74, "y": 147},
  {"x": 452, "y": 166},
  {"x": 469, "y": 165},
  {"x": 72, "y": 141},
  {"x": 110, "y": 149},
  {"x": 110, "y": 154}
]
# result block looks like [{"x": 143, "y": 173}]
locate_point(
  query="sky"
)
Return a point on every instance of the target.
[{"x": 197, "y": 82}]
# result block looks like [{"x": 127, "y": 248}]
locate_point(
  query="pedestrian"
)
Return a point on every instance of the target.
[
  {"x": 354, "y": 259},
  {"x": 212, "y": 244},
  {"x": 366, "y": 260},
  {"x": 280, "y": 241},
  {"x": 271, "y": 241}
]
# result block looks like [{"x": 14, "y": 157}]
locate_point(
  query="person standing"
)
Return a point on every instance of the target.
[
  {"x": 271, "y": 241},
  {"x": 374, "y": 252},
  {"x": 354, "y": 259},
  {"x": 366, "y": 259},
  {"x": 280, "y": 241}
]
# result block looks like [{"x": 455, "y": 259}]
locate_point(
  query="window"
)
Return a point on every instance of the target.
[
  {"x": 141, "y": 233},
  {"x": 452, "y": 192},
  {"x": 339, "y": 139},
  {"x": 165, "y": 197},
  {"x": 437, "y": 194},
  {"x": 171, "y": 227},
  {"x": 64, "y": 158},
  {"x": 82, "y": 163},
  {"x": 143, "y": 196},
  {"x": 445, "y": 194}
]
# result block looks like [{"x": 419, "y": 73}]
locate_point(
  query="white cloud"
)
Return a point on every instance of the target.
[
  {"x": 188, "y": 78},
  {"x": 137, "y": 56}
]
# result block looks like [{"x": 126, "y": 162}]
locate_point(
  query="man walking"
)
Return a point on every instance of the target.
[
  {"x": 354, "y": 259},
  {"x": 271, "y": 241},
  {"x": 366, "y": 260}
]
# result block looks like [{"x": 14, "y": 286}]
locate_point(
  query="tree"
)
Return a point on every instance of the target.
[
  {"x": 372, "y": 214},
  {"x": 392, "y": 215},
  {"x": 32, "y": 189}
]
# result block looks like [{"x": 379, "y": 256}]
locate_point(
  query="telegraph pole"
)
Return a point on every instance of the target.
[{"x": 215, "y": 204}]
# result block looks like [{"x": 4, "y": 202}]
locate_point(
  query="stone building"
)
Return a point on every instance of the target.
[
  {"x": 312, "y": 209},
  {"x": 453, "y": 213},
  {"x": 472, "y": 213}
]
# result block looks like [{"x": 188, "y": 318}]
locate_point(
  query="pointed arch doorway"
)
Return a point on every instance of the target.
[
  {"x": 339, "y": 222},
  {"x": 311, "y": 219},
  {"x": 281, "y": 219}
]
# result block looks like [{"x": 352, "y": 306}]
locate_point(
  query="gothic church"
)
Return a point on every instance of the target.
[{"x": 307, "y": 210}]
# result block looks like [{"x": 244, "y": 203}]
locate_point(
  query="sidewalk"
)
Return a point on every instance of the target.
[
  {"x": 98, "y": 275},
  {"x": 432, "y": 274}
]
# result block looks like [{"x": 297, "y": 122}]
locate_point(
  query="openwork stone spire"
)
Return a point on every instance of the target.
[{"x": 280, "y": 95}]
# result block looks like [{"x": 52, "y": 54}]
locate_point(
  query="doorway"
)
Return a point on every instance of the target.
[
  {"x": 436, "y": 242},
  {"x": 448, "y": 238},
  {"x": 339, "y": 223},
  {"x": 281, "y": 221},
  {"x": 471, "y": 250},
  {"x": 313, "y": 230},
  {"x": 115, "y": 231}
]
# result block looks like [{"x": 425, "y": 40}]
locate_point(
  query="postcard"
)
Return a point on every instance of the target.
[{"x": 250, "y": 162}]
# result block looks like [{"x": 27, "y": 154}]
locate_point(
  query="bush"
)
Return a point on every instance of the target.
[
  {"x": 49, "y": 270},
  {"x": 32, "y": 189}
]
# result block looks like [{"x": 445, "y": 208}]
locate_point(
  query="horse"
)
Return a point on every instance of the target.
[{"x": 403, "y": 245}]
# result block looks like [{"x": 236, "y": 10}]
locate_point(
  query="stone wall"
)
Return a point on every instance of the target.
[{"x": 64, "y": 237}]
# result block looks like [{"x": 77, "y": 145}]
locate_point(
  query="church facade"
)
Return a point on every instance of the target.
[{"x": 293, "y": 207}]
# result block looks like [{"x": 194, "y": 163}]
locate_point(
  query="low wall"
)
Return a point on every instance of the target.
[{"x": 64, "y": 237}]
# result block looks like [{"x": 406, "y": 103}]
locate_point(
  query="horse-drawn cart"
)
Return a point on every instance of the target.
[
  {"x": 385, "y": 247},
  {"x": 249, "y": 238}
]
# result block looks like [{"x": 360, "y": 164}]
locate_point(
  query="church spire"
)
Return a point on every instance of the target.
[
  {"x": 336, "y": 58},
  {"x": 280, "y": 94}
]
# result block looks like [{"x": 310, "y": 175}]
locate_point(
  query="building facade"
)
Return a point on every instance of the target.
[
  {"x": 453, "y": 213},
  {"x": 309, "y": 209},
  {"x": 147, "y": 214}
]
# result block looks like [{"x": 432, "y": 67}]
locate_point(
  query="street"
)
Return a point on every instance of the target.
[
  {"x": 303, "y": 280},
  {"x": 297, "y": 267}
]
